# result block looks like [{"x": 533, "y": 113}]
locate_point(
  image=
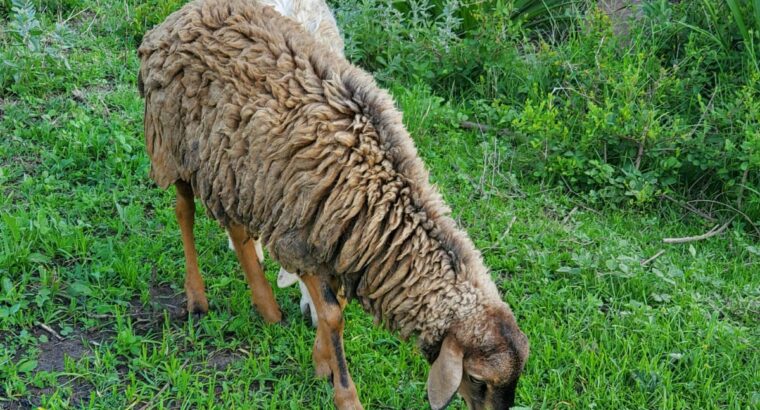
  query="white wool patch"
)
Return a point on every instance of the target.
[
  {"x": 307, "y": 302},
  {"x": 257, "y": 245},
  {"x": 307, "y": 12},
  {"x": 259, "y": 251},
  {"x": 285, "y": 278}
]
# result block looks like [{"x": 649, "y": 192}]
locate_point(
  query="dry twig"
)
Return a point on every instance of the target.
[
  {"x": 717, "y": 230},
  {"x": 656, "y": 255},
  {"x": 50, "y": 330},
  {"x": 690, "y": 208},
  {"x": 569, "y": 215},
  {"x": 509, "y": 228},
  {"x": 746, "y": 218}
]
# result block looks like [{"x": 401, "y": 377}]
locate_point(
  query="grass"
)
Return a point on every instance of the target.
[{"x": 91, "y": 270}]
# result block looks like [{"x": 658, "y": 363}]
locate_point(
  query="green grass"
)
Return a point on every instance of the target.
[{"x": 89, "y": 248}]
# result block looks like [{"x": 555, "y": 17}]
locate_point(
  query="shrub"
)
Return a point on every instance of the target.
[
  {"x": 462, "y": 49},
  {"x": 664, "y": 111},
  {"x": 668, "y": 108},
  {"x": 35, "y": 58}
]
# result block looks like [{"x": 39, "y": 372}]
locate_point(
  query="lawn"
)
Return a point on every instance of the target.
[{"x": 91, "y": 263}]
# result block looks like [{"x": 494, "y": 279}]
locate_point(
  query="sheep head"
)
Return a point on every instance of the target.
[{"x": 482, "y": 358}]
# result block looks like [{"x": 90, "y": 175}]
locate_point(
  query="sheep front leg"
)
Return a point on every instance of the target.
[
  {"x": 197, "y": 303},
  {"x": 329, "y": 356},
  {"x": 261, "y": 291}
]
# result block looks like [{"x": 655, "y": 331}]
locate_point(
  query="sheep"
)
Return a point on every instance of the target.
[
  {"x": 283, "y": 140},
  {"x": 315, "y": 16}
]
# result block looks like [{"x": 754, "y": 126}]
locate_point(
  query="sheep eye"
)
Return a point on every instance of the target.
[{"x": 475, "y": 380}]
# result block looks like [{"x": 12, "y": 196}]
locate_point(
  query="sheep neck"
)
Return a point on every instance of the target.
[{"x": 421, "y": 287}]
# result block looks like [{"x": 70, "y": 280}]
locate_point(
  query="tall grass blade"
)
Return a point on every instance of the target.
[{"x": 737, "y": 15}]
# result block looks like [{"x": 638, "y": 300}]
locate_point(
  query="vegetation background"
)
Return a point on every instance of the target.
[{"x": 569, "y": 137}]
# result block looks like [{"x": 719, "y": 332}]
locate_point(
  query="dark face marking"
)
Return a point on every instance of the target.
[
  {"x": 504, "y": 396},
  {"x": 342, "y": 369},
  {"x": 482, "y": 395}
]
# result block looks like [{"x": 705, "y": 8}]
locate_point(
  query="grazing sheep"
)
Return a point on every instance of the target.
[{"x": 281, "y": 139}]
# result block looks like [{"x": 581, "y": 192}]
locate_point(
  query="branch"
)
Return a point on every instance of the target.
[
  {"x": 747, "y": 218},
  {"x": 717, "y": 230},
  {"x": 509, "y": 228},
  {"x": 50, "y": 330},
  {"x": 639, "y": 154},
  {"x": 656, "y": 255},
  {"x": 690, "y": 208}
]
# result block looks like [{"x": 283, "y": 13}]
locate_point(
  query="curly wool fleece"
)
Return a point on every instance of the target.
[{"x": 277, "y": 133}]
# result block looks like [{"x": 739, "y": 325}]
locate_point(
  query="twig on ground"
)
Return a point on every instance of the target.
[
  {"x": 747, "y": 218},
  {"x": 112, "y": 315},
  {"x": 569, "y": 215},
  {"x": 690, "y": 208},
  {"x": 75, "y": 15},
  {"x": 50, "y": 330},
  {"x": 716, "y": 230},
  {"x": 656, "y": 255},
  {"x": 592, "y": 210},
  {"x": 509, "y": 228}
]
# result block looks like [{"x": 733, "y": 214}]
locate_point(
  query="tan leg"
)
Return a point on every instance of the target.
[
  {"x": 185, "y": 211},
  {"x": 329, "y": 356},
  {"x": 261, "y": 292}
]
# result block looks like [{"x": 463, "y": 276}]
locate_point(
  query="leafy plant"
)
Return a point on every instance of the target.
[
  {"x": 33, "y": 50},
  {"x": 460, "y": 48},
  {"x": 146, "y": 14}
]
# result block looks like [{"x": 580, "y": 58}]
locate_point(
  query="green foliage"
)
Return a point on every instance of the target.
[
  {"x": 148, "y": 13},
  {"x": 31, "y": 50},
  {"x": 627, "y": 119},
  {"x": 458, "y": 49},
  {"x": 623, "y": 117}
]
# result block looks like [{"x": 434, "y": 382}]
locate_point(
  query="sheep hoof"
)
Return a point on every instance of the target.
[
  {"x": 272, "y": 317},
  {"x": 196, "y": 316},
  {"x": 269, "y": 317},
  {"x": 197, "y": 306}
]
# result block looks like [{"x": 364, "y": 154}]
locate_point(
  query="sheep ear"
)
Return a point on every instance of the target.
[{"x": 445, "y": 374}]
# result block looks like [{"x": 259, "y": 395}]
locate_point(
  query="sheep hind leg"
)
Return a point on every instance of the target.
[
  {"x": 197, "y": 304},
  {"x": 329, "y": 356},
  {"x": 262, "y": 296}
]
